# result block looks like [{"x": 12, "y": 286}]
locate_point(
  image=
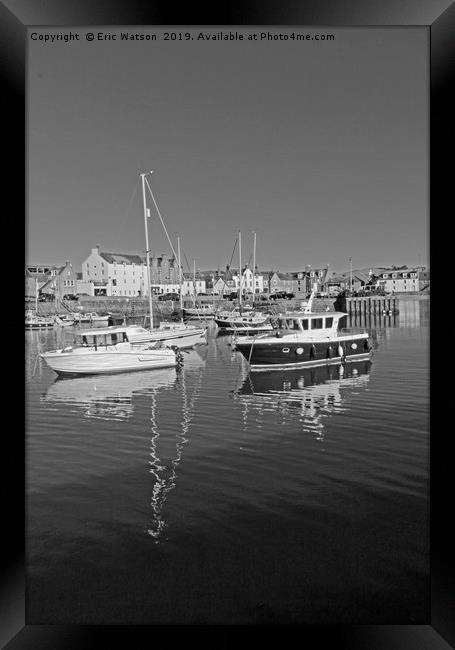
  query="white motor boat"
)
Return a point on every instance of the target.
[{"x": 109, "y": 350}]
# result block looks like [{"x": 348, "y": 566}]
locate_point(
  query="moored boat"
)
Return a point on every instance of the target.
[
  {"x": 201, "y": 312},
  {"x": 238, "y": 321},
  {"x": 33, "y": 321},
  {"x": 302, "y": 339},
  {"x": 110, "y": 350}
]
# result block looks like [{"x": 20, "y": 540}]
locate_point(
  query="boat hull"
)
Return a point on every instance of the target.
[
  {"x": 283, "y": 354},
  {"x": 38, "y": 326},
  {"x": 69, "y": 363}
]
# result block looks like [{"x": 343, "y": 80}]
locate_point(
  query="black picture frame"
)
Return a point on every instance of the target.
[{"x": 14, "y": 21}]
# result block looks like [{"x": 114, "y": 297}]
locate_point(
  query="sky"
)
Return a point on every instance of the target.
[{"x": 320, "y": 147}]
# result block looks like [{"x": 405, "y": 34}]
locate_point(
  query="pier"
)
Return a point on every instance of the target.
[{"x": 367, "y": 305}]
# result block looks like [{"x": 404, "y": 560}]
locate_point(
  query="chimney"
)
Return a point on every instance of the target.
[{"x": 96, "y": 250}]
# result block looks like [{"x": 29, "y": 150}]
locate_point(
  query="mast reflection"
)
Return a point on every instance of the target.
[{"x": 165, "y": 477}]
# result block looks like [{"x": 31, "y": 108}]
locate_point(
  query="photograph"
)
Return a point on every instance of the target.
[
  {"x": 227, "y": 303},
  {"x": 227, "y": 315}
]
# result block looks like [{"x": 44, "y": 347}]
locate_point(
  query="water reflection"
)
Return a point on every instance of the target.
[
  {"x": 309, "y": 394},
  {"x": 107, "y": 397},
  {"x": 165, "y": 475}
]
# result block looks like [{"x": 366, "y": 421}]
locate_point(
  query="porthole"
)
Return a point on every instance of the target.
[
  {"x": 354, "y": 346},
  {"x": 285, "y": 350},
  {"x": 299, "y": 351}
]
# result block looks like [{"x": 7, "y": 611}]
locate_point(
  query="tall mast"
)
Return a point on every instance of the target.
[
  {"x": 180, "y": 278},
  {"x": 254, "y": 265},
  {"x": 147, "y": 252},
  {"x": 36, "y": 296},
  {"x": 240, "y": 269},
  {"x": 194, "y": 282}
]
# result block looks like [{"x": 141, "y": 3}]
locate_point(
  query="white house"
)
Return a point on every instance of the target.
[
  {"x": 120, "y": 274},
  {"x": 192, "y": 286},
  {"x": 247, "y": 282},
  {"x": 399, "y": 281}
]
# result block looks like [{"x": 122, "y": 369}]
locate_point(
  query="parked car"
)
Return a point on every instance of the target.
[
  {"x": 69, "y": 296},
  {"x": 169, "y": 296},
  {"x": 46, "y": 297},
  {"x": 281, "y": 295},
  {"x": 78, "y": 295}
]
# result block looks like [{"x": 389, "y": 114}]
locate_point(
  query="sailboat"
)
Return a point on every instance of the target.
[
  {"x": 116, "y": 349},
  {"x": 201, "y": 311},
  {"x": 168, "y": 332},
  {"x": 241, "y": 320}
]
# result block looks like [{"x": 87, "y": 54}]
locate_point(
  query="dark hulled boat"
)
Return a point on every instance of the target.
[{"x": 305, "y": 339}]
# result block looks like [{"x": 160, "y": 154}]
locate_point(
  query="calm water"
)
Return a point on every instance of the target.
[{"x": 208, "y": 495}]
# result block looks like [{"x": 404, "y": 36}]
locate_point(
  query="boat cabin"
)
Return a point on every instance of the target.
[
  {"x": 323, "y": 323},
  {"x": 102, "y": 337}
]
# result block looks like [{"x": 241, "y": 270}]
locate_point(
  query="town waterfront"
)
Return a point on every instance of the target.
[{"x": 208, "y": 495}]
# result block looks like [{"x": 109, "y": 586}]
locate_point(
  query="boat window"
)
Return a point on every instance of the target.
[
  {"x": 329, "y": 322},
  {"x": 295, "y": 325},
  {"x": 125, "y": 338},
  {"x": 305, "y": 323},
  {"x": 316, "y": 323},
  {"x": 114, "y": 338}
]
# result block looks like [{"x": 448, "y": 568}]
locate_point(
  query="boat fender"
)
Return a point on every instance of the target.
[
  {"x": 329, "y": 352},
  {"x": 312, "y": 352},
  {"x": 340, "y": 351},
  {"x": 279, "y": 334},
  {"x": 367, "y": 345}
]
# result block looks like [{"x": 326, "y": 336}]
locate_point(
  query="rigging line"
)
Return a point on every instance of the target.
[
  {"x": 131, "y": 198},
  {"x": 161, "y": 219}
]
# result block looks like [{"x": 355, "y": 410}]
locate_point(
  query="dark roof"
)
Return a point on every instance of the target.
[{"x": 121, "y": 258}]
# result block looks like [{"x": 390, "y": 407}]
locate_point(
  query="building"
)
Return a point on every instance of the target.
[
  {"x": 36, "y": 276},
  {"x": 424, "y": 279},
  {"x": 283, "y": 282},
  {"x": 120, "y": 274},
  {"x": 193, "y": 284},
  {"x": 61, "y": 282},
  {"x": 399, "y": 280},
  {"x": 228, "y": 282},
  {"x": 224, "y": 283},
  {"x": 355, "y": 280}
]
